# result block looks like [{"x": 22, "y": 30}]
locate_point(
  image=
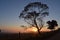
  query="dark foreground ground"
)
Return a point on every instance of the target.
[{"x": 53, "y": 35}]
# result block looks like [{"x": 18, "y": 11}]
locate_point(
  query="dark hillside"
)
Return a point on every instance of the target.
[{"x": 53, "y": 35}]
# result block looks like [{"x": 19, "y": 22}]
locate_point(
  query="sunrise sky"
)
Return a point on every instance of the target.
[{"x": 10, "y": 10}]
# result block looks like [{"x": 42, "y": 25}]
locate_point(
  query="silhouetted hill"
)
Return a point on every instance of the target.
[{"x": 56, "y": 35}]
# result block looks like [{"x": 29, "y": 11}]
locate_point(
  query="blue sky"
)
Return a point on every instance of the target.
[{"x": 10, "y": 10}]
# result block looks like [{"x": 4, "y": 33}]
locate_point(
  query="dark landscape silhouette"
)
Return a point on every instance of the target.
[{"x": 29, "y": 36}]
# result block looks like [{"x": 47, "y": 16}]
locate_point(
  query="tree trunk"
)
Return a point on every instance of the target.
[
  {"x": 41, "y": 25},
  {"x": 36, "y": 26}
]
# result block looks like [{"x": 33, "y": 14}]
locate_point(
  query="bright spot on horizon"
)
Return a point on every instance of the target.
[{"x": 34, "y": 29}]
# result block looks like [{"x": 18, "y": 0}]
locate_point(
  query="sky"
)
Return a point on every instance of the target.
[{"x": 10, "y": 10}]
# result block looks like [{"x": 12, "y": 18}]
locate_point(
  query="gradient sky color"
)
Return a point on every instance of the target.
[{"x": 10, "y": 10}]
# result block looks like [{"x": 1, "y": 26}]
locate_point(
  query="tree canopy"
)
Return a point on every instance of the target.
[{"x": 52, "y": 24}]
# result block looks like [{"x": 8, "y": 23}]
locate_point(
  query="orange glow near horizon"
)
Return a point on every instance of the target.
[
  {"x": 33, "y": 29},
  {"x": 23, "y": 30}
]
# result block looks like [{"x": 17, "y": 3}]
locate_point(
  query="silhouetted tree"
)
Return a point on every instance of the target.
[
  {"x": 34, "y": 13},
  {"x": 52, "y": 24}
]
